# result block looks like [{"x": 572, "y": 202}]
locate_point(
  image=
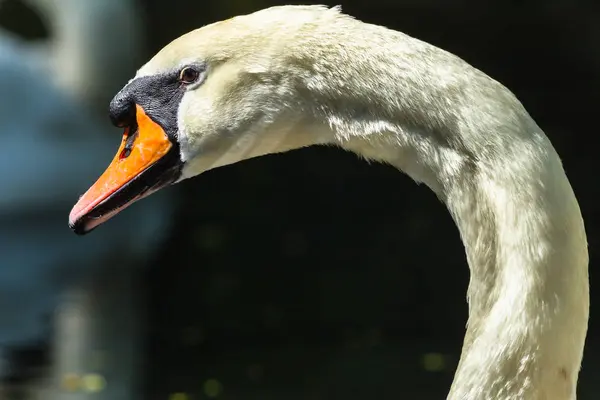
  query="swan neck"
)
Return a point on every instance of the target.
[
  {"x": 523, "y": 234},
  {"x": 468, "y": 138},
  {"x": 528, "y": 293}
]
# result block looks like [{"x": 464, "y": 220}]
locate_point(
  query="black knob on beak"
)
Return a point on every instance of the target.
[{"x": 122, "y": 109}]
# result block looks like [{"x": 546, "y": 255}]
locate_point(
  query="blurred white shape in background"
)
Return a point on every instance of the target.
[{"x": 53, "y": 146}]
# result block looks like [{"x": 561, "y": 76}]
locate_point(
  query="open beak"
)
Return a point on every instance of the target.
[{"x": 141, "y": 166}]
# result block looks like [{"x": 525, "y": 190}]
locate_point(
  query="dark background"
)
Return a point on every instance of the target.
[{"x": 313, "y": 275}]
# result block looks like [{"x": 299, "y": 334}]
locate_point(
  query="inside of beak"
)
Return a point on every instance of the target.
[{"x": 143, "y": 144}]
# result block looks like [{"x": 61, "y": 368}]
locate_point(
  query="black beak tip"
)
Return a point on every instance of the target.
[{"x": 78, "y": 227}]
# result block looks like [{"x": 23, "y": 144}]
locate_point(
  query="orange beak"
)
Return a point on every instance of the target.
[{"x": 127, "y": 178}]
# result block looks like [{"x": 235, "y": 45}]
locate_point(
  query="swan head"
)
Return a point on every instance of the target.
[
  {"x": 213, "y": 97},
  {"x": 288, "y": 77}
]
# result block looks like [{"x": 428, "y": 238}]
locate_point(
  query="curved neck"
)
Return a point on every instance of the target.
[
  {"x": 528, "y": 294},
  {"x": 526, "y": 248},
  {"x": 469, "y": 139}
]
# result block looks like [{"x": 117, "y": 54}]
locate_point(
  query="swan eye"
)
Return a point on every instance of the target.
[{"x": 189, "y": 75}]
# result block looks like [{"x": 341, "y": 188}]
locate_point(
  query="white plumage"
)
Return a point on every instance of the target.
[{"x": 294, "y": 76}]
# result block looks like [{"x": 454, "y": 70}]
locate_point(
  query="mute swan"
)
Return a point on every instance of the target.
[
  {"x": 293, "y": 76},
  {"x": 45, "y": 268}
]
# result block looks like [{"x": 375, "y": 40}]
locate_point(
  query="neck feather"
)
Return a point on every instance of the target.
[
  {"x": 467, "y": 137},
  {"x": 528, "y": 294},
  {"x": 527, "y": 252}
]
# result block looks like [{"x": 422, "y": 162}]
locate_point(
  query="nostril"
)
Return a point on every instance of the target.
[{"x": 122, "y": 111}]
